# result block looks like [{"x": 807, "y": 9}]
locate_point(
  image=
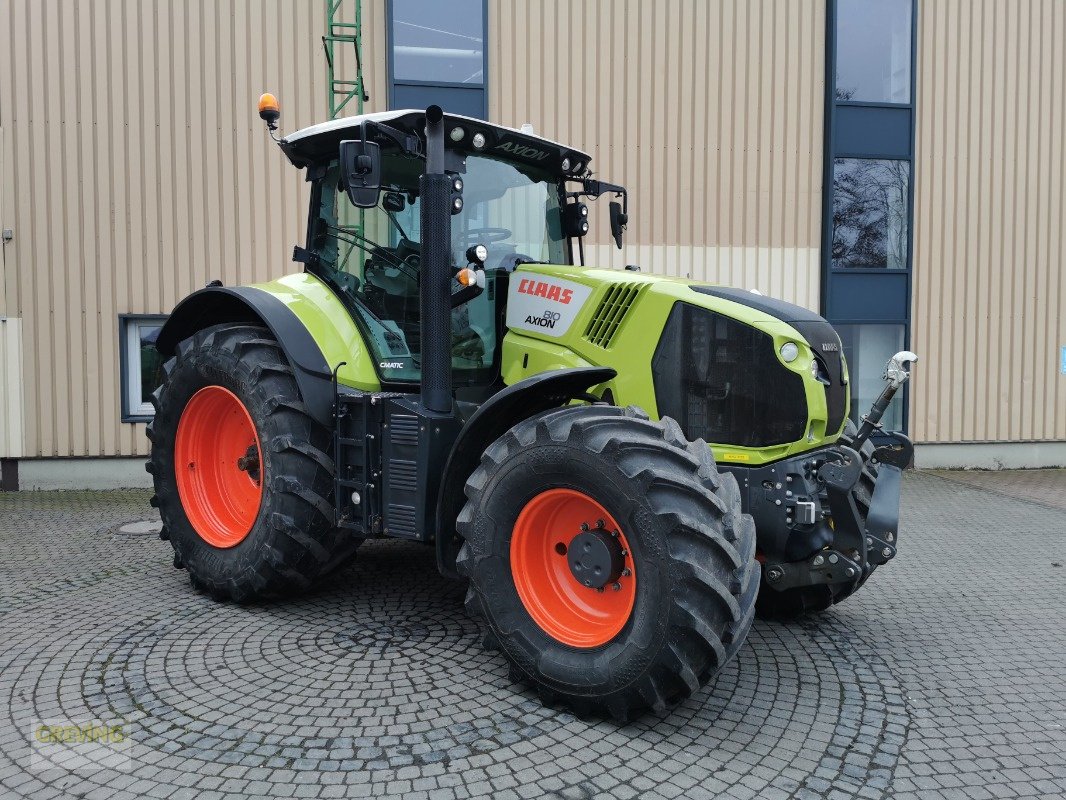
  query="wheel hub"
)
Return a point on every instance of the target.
[
  {"x": 218, "y": 466},
  {"x": 573, "y": 568},
  {"x": 595, "y": 558}
]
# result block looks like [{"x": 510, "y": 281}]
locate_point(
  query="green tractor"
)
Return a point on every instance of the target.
[{"x": 446, "y": 370}]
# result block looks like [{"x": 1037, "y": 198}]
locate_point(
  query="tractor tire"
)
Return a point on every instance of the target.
[
  {"x": 243, "y": 476},
  {"x": 794, "y": 603},
  {"x": 608, "y": 558}
]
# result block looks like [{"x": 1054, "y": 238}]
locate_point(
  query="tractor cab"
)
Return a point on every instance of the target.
[{"x": 515, "y": 200}]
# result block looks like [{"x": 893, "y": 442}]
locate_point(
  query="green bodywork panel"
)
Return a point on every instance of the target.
[
  {"x": 525, "y": 353},
  {"x": 333, "y": 329},
  {"x": 632, "y": 347}
]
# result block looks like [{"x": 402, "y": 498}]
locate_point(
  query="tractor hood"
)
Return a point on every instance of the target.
[
  {"x": 712, "y": 357},
  {"x": 322, "y": 141}
]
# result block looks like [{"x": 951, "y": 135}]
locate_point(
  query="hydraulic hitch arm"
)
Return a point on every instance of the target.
[{"x": 897, "y": 372}]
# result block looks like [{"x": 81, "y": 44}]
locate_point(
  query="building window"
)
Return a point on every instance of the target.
[
  {"x": 867, "y": 348},
  {"x": 141, "y": 364},
  {"x": 873, "y": 53},
  {"x": 868, "y": 189},
  {"x": 437, "y": 55},
  {"x": 438, "y": 42},
  {"x": 870, "y": 212}
]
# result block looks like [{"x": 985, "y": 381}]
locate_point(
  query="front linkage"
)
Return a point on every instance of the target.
[{"x": 828, "y": 518}]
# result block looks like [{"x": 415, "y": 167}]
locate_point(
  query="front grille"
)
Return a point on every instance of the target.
[
  {"x": 617, "y": 301},
  {"x": 722, "y": 381},
  {"x": 819, "y": 334}
]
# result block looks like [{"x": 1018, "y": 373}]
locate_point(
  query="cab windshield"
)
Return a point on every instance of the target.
[{"x": 373, "y": 256}]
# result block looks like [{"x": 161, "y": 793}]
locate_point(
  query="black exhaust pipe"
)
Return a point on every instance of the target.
[{"x": 435, "y": 290}]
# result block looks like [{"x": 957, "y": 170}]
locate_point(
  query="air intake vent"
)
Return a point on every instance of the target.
[
  {"x": 404, "y": 429},
  {"x": 612, "y": 310}
]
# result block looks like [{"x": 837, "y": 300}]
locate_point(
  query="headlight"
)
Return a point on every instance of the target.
[
  {"x": 457, "y": 134},
  {"x": 566, "y": 164},
  {"x": 479, "y": 141},
  {"x": 789, "y": 352}
]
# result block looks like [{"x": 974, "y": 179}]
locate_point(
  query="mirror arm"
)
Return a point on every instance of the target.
[
  {"x": 594, "y": 188},
  {"x": 408, "y": 144}
]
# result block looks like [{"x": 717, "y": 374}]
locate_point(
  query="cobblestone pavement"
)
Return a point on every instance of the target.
[
  {"x": 1047, "y": 486},
  {"x": 943, "y": 677}
]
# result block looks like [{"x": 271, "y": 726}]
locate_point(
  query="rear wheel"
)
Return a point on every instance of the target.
[
  {"x": 608, "y": 559},
  {"x": 794, "y": 603},
  {"x": 242, "y": 474}
]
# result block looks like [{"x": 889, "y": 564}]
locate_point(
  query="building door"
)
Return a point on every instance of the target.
[{"x": 868, "y": 189}]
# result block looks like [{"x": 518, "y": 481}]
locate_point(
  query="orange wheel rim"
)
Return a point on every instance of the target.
[
  {"x": 218, "y": 465},
  {"x": 558, "y": 547}
]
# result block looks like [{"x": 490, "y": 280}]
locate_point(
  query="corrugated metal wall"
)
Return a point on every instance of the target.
[
  {"x": 139, "y": 172},
  {"x": 133, "y": 170},
  {"x": 990, "y": 224},
  {"x": 709, "y": 112}
]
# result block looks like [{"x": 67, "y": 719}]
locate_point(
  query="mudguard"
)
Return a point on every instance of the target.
[
  {"x": 493, "y": 418},
  {"x": 215, "y": 305}
]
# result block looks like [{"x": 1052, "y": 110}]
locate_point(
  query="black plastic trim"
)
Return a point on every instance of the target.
[{"x": 218, "y": 304}]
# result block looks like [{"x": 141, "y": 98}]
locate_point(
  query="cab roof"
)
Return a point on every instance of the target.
[{"x": 320, "y": 141}]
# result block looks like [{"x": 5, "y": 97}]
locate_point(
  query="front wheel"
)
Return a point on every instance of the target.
[
  {"x": 243, "y": 475},
  {"x": 608, "y": 558}
]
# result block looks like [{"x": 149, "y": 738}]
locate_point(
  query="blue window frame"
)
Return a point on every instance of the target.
[
  {"x": 868, "y": 187},
  {"x": 437, "y": 54}
]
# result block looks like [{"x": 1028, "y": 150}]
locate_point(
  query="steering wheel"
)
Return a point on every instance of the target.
[{"x": 486, "y": 236}]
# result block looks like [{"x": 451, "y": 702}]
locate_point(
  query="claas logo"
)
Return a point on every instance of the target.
[{"x": 549, "y": 291}]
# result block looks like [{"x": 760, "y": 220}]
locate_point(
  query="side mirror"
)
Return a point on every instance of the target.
[
  {"x": 619, "y": 220},
  {"x": 360, "y": 164}
]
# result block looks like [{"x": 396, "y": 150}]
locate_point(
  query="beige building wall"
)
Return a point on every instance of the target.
[
  {"x": 135, "y": 170},
  {"x": 989, "y": 313},
  {"x": 708, "y": 111}
]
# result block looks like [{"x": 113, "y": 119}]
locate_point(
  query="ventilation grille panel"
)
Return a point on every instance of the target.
[{"x": 612, "y": 310}]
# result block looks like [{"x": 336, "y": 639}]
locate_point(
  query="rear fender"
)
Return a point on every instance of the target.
[
  {"x": 216, "y": 305},
  {"x": 492, "y": 420}
]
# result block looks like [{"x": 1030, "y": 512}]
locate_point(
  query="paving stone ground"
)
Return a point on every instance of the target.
[{"x": 944, "y": 677}]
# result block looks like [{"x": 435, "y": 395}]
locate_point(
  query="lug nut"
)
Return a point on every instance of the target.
[
  {"x": 890, "y": 536},
  {"x": 833, "y": 558},
  {"x": 584, "y": 526},
  {"x": 818, "y": 561},
  {"x": 773, "y": 575},
  {"x": 627, "y": 572},
  {"x": 625, "y": 553},
  {"x": 601, "y": 524},
  {"x": 616, "y": 586},
  {"x": 887, "y": 552},
  {"x": 850, "y": 572},
  {"x": 615, "y": 534}
]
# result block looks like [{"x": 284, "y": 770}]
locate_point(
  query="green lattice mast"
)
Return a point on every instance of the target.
[{"x": 342, "y": 30}]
